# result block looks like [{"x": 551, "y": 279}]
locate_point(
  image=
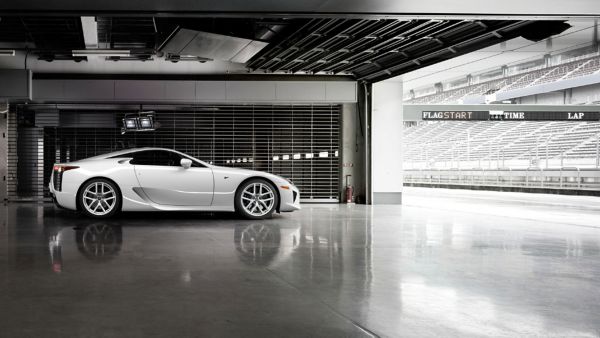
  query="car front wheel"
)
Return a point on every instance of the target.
[
  {"x": 99, "y": 198},
  {"x": 256, "y": 199}
]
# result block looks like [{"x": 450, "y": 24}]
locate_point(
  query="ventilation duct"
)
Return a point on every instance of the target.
[{"x": 187, "y": 42}]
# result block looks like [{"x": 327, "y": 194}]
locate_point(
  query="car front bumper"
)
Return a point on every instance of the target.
[{"x": 290, "y": 199}]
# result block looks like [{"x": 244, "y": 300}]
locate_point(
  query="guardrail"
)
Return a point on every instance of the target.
[{"x": 568, "y": 178}]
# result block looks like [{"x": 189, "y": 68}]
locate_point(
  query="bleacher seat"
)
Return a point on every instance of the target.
[
  {"x": 580, "y": 67},
  {"x": 436, "y": 142}
]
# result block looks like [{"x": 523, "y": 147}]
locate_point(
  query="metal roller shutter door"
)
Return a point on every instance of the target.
[{"x": 273, "y": 138}]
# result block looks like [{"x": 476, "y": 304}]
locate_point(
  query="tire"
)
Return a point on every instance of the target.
[
  {"x": 104, "y": 206},
  {"x": 256, "y": 199},
  {"x": 99, "y": 241}
]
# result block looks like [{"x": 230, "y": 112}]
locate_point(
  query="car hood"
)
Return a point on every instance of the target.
[{"x": 249, "y": 172}]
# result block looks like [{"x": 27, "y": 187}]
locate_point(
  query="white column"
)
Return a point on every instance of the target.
[{"x": 386, "y": 142}]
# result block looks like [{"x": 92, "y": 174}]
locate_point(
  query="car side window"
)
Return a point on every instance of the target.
[
  {"x": 160, "y": 158},
  {"x": 167, "y": 158},
  {"x": 144, "y": 158}
]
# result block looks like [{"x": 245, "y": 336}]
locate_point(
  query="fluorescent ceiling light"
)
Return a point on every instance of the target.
[
  {"x": 296, "y": 156},
  {"x": 309, "y": 155},
  {"x": 275, "y": 158},
  {"x": 101, "y": 52},
  {"x": 286, "y": 157},
  {"x": 7, "y": 52},
  {"x": 323, "y": 154}
]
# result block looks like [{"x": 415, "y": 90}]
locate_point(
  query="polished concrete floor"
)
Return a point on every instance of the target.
[{"x": 447, "y": 263}]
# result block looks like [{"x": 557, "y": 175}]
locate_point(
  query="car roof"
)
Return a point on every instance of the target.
[{"x": 130, "y": 150}]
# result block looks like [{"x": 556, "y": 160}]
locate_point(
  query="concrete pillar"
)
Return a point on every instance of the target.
[
  {"x": 3, "y": 153},
  {"x": 386, "y": 143},
  {"x": 504, "y": 70}
]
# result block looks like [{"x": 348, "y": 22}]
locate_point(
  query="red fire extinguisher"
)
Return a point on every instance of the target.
[{"x": 349, "y": 191}]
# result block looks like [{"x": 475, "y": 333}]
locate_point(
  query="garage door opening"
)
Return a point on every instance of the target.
[{"x": 298, "y": 142}]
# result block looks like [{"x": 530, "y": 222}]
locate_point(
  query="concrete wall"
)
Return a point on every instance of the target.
[
  {"x": 386, "y": 143},
  {"x": 578, "y": 95},
  {"x": 586, "y": 94}
]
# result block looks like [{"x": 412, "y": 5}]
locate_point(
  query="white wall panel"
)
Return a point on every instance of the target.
[
  {"x": 48, "y": 90},
  {"x": 126, "y": 90},
  {"x": 386, "y": 142},
  {"x": 180, "y": 90},
  {"x": 211, "y": 91},
  {"x": 88, "y": 90},
  {"x": 300, "y": 91},
  {"x": 340, "y": 91},
  {"x": 194, "y": 91},
  {"x": 251, "y": 91}
]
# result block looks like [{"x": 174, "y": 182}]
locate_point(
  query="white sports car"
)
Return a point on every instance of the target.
[{"x": 147, "y": 179}]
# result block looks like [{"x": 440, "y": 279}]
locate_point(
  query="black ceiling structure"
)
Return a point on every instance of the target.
[
  {"x": 368, "y": 50},
  {"x": 535, "y": 9},
  {"x": 374, "y": 50},
  {"x": 51, "y": 37}
]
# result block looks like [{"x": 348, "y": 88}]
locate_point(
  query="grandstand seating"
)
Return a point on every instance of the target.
[
  {"x": 442, "y": 142},
  {"x": 579, "y": 67}
]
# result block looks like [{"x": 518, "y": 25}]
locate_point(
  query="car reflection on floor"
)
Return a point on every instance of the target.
[
  {"x": 99, "y": 241},
  {"x": 257, "y": 244}
]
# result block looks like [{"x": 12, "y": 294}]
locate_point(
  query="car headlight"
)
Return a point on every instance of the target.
[{"x": 287, "y": 180}]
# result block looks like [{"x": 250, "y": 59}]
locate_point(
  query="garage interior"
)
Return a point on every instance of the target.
[{"x": 313, "y": 92}]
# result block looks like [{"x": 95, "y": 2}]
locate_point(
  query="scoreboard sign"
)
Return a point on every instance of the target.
[
  {"x": 509, "y": 116},
  {"x": 456, "y": 115},
  {"x": 549, "y": 116}
]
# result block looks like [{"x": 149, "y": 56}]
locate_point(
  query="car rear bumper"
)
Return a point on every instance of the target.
[{"x": 63, "y": 200}]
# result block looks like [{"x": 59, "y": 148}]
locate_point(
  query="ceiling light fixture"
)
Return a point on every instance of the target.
[
  {"x": 7, "y": 52},
  {"x": 101, "y": 52},
  {"x": 176, "y": 58}
]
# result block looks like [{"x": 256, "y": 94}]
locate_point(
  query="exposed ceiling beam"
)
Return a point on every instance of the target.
[{"x": 486, "y": 38}]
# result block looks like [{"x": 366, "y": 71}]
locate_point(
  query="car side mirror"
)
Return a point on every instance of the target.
[{"x": 186, "y": 163}]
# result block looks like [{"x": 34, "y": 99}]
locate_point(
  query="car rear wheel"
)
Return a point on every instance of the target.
[
  {"x": 99, "y": 198},
  {"x": 256, "y": 199}
]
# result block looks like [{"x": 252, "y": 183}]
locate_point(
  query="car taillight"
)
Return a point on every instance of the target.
[
  {"x": 59, "y": 170},
  {"x": 63, "y": 168}
]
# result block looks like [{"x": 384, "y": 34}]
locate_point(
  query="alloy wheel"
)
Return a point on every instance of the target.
[
  {"x": 99, "y": 198},
  {"x": 258, "y": 199}
]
